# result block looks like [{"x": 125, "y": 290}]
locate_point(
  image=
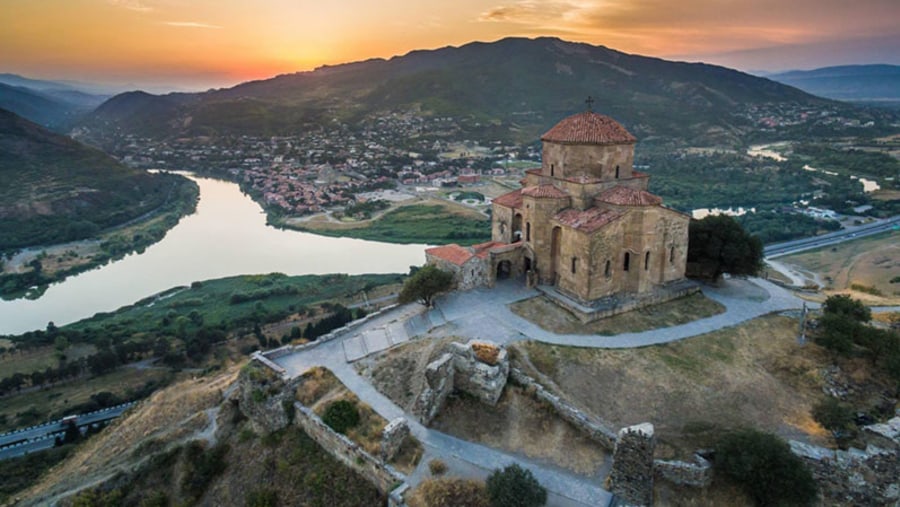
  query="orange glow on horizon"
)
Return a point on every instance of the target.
[{"x": 216, "y": 42}]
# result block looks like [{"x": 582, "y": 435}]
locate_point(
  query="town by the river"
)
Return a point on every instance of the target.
[{"x": 227, "y": 236}]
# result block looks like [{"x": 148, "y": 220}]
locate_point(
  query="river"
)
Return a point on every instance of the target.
[
  {"x": 227, "y": 236},
  {"x": 768, "y": 151}
]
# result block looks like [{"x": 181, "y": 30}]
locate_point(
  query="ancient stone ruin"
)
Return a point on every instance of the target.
[
  {"x": 631, "y": 477},
  {"x": 478, "y": 367},
  {"x": 392, "y": 438}
]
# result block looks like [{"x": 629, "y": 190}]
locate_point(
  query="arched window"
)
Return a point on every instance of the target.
[
  {"x": 672, "y": 255},
  {"x": 627, "y": 262},
  {"x": 608, "y": 269},
  {"x": 551, "y": 169},
  {"x": 527, "y": 231},
  {"x": 574, "y": 264},
  {"x": 617, "y": 172},
  {"x": 647, "y": 261}
]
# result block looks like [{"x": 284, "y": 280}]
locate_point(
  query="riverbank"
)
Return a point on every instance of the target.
[{"x": 31, "y": 270}]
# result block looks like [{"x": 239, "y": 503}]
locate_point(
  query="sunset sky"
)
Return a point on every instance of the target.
[{"x": 201, "y": 43}]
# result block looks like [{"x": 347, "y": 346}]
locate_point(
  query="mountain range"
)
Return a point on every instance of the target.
[
  {"x": 53, "y": 104},
  {"x": 516, "y": 87},
  {"x": 863, "y": 83}
]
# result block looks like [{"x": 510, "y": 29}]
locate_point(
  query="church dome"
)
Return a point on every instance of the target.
[{"x": 588, "y": 128}]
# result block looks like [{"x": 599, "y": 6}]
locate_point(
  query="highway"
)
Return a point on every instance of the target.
[
  {"x": 38, "y": 438},
  {"x": 849, "y": 233}
]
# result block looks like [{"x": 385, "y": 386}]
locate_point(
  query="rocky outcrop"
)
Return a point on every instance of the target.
[{"x": 856, "y": 476}]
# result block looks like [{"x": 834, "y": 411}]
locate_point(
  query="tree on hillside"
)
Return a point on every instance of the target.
[
  {"x": 515, "y": 486},
  {"x": 718, "y": 244},
  {"x": 425, "y": 284},
  {"x": 764, "y": 467},
  {"x": 841, "y": 304}
]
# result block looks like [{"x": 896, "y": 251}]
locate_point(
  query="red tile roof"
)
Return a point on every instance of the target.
[
  {"x": 624, "y": 196},
  {"x": 451, "y": 253},
  {"x": 589, "y": 128},
  {"x": 483, "y": 249},
  {"x": 544, "y": 192},
  {"x": 510, "y": 200},
  {"x": 588, "y": 220}
]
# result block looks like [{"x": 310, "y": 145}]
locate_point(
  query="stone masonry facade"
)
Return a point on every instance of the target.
[{"x": 584, "y": 223}]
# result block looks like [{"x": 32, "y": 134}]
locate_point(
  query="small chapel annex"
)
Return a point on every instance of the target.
[{"x": 583, "y": 225}]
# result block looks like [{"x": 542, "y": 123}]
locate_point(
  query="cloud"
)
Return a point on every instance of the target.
[
  {"x": 191, "y": 24},
  {"x": 134, "y": 5},
  {"x": 654, "y": 26}
]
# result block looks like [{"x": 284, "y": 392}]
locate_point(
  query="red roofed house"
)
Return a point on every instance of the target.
[{"x": 583, "y": 224}]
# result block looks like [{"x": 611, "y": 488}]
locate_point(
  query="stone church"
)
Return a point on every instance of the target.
[{"x": 583, "y": 228}]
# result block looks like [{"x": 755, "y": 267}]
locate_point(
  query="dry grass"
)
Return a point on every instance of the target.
[
  {"x": 57, "y": 399},
  {"x": 519, "y": 424},
  {"x": 871, "y": 262},
  {"x": 552, "y": 317},
  {"x": 754, "y": 374},
  {"x": 27, "y": 361},
  {"x": 317, "y": 382},
  {"x": 169, "y": 416},
  {"x": 397, "y": 372},
  {"x": 486, "y": 353},
  {"x": 320, "y": 388}
]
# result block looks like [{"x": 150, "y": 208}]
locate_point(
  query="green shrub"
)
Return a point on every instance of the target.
[
  {"x": 262, "y": 498},
  {"x": 764, "y": 467},
  {"x": 832, "y": 414},
  {"x": 515, "y": 486},
  {"x": 341, "y": 415}
]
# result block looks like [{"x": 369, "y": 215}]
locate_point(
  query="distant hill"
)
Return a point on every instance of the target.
[
  {"x": 866, "y": 83},
  {"x": 52, "y": 104},
  {"x": 513, "y": 88},
  {"x": 54, "y": 189}
]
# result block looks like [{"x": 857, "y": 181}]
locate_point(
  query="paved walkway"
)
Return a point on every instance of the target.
[{"x": 484, "y": 313}]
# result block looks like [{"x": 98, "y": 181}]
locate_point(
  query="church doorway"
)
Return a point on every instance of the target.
[{"x": 504, "y": 270}]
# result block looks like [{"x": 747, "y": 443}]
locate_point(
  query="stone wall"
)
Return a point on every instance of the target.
[
  {"x": 632, "y": 469},
  {"x": 475, "y": 376},
  {"x": 853, "y": 477},
  {"x": 262, "y": 396},
  {"x": 462, "y": 368},
  {"x": 268, "y": 357},
  {"x": 392, "y": 438},
  {"x": 594, "y": 428},
  {"x": 439, "y": 376},
  {"x": 381, "y": 475},
  {"x": 697, "y": 474}
]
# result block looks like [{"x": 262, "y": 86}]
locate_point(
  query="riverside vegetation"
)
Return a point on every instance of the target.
[{"x": 132, "y": 352}]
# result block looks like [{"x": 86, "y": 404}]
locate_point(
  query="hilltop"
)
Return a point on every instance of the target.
[
  {"x": 510, "y": 89},
  {"x": 54, "y": 189}
]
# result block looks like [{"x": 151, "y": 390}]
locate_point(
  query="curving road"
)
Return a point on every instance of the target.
[
  {"x": 484, "y": 313},
  {"x": 847, "y": 234},
  {"x": 41, "y": 437}
]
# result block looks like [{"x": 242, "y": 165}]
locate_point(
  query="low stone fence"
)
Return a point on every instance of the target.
[
  {"x": 697, "y": 474},
  {"x": 593, "y": 427},
  {"x": 262, "y": 358},
  {"x": 287, "y": 350},
  {"x": 381, "y": 475}
]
